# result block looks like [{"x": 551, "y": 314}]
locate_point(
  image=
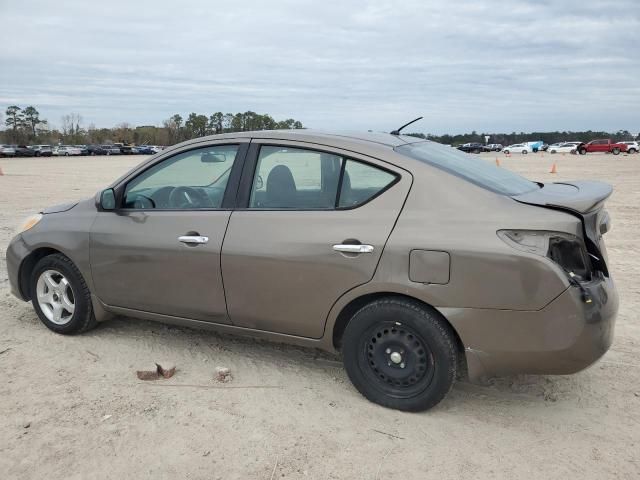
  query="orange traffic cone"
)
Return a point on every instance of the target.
[
  {"x": 554, "y": 169},
  {"x": 497, "y": 162}
]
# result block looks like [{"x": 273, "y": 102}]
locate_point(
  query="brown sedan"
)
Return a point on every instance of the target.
[{"x": 413, "y": 259}]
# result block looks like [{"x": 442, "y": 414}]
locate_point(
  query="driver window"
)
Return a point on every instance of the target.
[{"x": 190, "y": 180}]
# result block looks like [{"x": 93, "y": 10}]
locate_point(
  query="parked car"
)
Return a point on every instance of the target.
[
  {"x": 145, "y": 150},
  {"x": 471, "y": 147},
  {"x": 535, "y": 146},
  {"x": 111, "y": 150},
  {"x": 65, "y": 151},
  {"x": 518, "y": 148},
  {"x": 343, "y": 243},
  {"x": 84, "y": 150},
  {"x": 563, "y": 147},
  {"x": 96, "y": 150},
  {"x": 124, "y": 149},
  {"x": 7, "y": 151},
  {"x": 605, "y": 145},
  {"x": 23, "y": 151},
  {"x": 41, "y": 150},
  {"x": 632, "y": 147},
  {"x": 156, "y": 149},
  {"x": 492, "y": 147}
]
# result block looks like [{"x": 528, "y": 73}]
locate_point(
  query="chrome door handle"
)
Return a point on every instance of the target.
[
  {"x": 193, "y": 239},
  {"x": 349, "y": 248}
]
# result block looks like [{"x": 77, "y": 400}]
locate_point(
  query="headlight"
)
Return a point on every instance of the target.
[
  {"x": 28, "y": 223},
  {"x": 566, "y": 250}
]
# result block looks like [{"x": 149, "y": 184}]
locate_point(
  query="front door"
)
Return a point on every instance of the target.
[
  {"x": 159, "y": 252},
  {"x": 312, "y": 224}
]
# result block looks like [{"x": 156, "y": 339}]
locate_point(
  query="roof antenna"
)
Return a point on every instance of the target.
[{"x": 397, "y": 132}]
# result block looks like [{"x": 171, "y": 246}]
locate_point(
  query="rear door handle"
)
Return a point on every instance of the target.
[
  {"x": 350, "y": 248},
  {"x": 193, "y": 239}
]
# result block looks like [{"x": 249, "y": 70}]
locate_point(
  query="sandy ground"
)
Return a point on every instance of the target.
[{"x": 71, "y": 407}]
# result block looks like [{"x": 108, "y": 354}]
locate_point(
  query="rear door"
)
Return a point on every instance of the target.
[
  {"x": 312, "y": 224},
  {"x": 159, "y": 252}
]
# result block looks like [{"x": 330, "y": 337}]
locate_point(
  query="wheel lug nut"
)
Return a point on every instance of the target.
[
  {"x": 388, "y": 351},
  {"x": 402, "y": 365}
]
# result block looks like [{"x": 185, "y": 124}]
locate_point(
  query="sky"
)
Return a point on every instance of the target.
[{"x": 489, "y": 66}]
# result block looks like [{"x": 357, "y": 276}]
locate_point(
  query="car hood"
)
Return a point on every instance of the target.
[
  {"x": 579, "y": 196},
  {"x": 63, "y": 207}
]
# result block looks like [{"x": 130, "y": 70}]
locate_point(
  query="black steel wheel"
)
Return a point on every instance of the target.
[{"x": 400, "y": 354}]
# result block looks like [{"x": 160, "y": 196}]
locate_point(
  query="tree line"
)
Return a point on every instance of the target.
[
  {"x": 513, "y": 138},
  {"x": 24, "y": 126}
]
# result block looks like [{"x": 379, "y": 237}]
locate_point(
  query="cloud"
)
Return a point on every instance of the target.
[{"x": 465, "y": 65}]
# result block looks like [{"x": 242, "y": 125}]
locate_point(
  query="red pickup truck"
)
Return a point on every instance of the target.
[{"x": 601, "y": 146}]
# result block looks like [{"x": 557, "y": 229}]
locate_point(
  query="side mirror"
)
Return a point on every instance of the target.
[{"x": 108, "y": 199}]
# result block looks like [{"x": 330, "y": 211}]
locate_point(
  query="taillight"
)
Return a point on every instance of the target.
[{"x": 566, "y": 250}]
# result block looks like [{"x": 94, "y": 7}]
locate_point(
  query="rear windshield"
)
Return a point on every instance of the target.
[{"x": 469, "y": 167}]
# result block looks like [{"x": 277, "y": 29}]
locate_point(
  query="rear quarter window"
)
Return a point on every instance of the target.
[{"x": 470, "y": 168}]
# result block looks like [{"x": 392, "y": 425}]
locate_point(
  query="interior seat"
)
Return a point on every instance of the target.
[{"x": 281, "y": 191}]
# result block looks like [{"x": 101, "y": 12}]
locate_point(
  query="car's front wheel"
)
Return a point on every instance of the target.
[
  {"x": 524, "y": 152},
  {"x": 400, "y": 354},
  {"x": 60, "y": 295},
  {"x": 615, "y": 151}
]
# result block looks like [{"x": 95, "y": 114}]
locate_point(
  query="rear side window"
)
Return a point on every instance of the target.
[
  {"x": 474, "y": 170},
  {"x": 302, "y": 179},
  {"x": 295, "y": 178},
  {"x": 361, "y": 182}
]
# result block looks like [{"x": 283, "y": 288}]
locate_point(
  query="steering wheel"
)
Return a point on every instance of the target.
[{"x": 185, "y": 197}]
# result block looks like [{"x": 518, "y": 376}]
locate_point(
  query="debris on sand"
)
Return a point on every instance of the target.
[
  {"x": 223, "y": 374},
  {"x": 164, "y": 370}
]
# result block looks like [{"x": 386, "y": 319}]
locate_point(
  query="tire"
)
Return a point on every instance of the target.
[
  {"x": 58, "y": 268},
  {"x": 582, "y": 151},
  {"x": 400, "y": 354},
  {"x": 524, "y": 152},
  {"x": 553, "y": 151},
  {"x": 506, "y": 152},
  {"x": 615, "y": 151},
  {"x": 632, "y": 151}
]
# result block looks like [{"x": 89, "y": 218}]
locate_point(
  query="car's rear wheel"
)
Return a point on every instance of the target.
[
  {"x": 506, "y": 152},
  {"x": 632, "y": 150},
  {"x": 582, "y": 151},
  {"x": 60, "y": 295},
  {"x": 400, "y": 354},
  {"x": 524, "y": 152}
]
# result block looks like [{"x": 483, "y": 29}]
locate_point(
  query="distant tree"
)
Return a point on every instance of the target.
[
  {"x": 15, "y": 120},
  {"x": 196, "y": 125},
  {"x": 32, "y": 119},
  {"x": 215, "y": 122}
]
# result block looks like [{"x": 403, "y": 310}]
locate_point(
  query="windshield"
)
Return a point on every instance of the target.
[{"x": 473, "y": 169}]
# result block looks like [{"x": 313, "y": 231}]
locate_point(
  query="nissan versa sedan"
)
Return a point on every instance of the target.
[{"x": 414, "y": 260}]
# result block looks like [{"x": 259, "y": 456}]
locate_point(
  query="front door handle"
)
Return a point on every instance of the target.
[
  {"x": 193, "y": 239},
  {"x": 350, "y": 248}
]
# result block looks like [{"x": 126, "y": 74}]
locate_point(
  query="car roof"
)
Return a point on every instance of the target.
[{"x": 347, "y": 140}]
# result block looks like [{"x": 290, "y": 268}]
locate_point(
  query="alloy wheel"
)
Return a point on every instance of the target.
[{"x": 55, "y": 297}]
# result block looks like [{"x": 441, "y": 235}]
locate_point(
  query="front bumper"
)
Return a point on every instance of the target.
[
  {"x": 17, "y": 251},
  {"x": 566, "y": 336}
]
